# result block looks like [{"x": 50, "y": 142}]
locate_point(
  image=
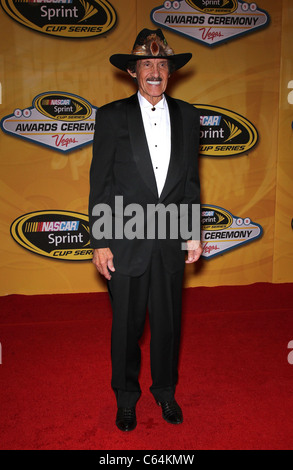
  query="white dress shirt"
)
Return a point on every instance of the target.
[{"x": 157, "y": 129}]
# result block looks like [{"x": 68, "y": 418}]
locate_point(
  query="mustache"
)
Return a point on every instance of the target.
[{"x": 154, "y": 79}]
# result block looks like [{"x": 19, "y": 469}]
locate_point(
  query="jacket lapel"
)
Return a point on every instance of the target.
[{"x": 139, "y": 144}]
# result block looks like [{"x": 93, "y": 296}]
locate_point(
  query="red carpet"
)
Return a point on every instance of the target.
[{"x": 235, "y": 384}]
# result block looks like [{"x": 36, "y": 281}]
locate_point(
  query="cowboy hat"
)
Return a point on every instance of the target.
[{"x": 150, "y": 44}]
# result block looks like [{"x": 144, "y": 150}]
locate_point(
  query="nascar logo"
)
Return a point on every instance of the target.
[
  {"x": 61, "y": 226},
  {"x": 55, "y": 234}
]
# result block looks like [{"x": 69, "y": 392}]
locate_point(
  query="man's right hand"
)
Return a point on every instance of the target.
[{"x": 103, "y": 260}]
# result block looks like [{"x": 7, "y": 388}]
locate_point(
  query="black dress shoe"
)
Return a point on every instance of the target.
[
  {"x": 171, "y": 411},
  {"x": 126, "y": 419}
]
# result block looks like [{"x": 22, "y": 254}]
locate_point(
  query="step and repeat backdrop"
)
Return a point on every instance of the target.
[{"x": 55, "y": 74}]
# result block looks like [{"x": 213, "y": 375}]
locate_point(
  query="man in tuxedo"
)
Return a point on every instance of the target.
[{"x": 145, "y": 156}]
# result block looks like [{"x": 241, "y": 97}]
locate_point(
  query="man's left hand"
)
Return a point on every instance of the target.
[{"x": 194, "y": 250}]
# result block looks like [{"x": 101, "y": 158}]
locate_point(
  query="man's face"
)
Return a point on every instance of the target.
[{"x": 152, "y": 77}]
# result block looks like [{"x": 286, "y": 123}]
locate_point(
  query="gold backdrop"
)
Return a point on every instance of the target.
[{"x": 251, "y": 75}]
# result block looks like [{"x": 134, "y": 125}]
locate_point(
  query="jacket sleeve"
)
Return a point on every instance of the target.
[
  {"x": 192, "y": 184},
  {"x": 101, "y": 176}
]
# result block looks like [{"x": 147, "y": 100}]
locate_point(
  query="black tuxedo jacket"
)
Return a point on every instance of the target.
[{"x": 121, "y": 166}]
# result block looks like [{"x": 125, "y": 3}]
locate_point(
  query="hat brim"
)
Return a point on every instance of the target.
[{"x": 121, "y": 61}]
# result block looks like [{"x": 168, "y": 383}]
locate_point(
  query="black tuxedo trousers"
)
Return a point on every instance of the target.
[{"x": 160, "y": 292}]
